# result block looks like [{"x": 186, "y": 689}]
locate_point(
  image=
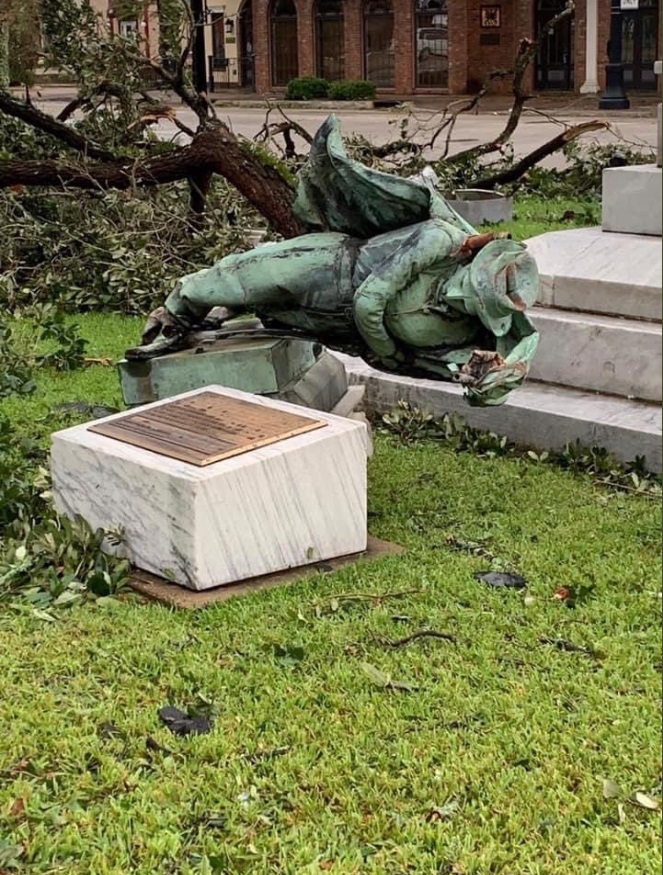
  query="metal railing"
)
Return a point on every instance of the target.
[{"x": 225, "y": 73}]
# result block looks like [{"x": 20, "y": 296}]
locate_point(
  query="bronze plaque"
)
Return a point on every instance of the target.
[{"x": 206, "y": 428}]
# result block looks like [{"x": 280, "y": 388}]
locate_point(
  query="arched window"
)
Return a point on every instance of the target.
[
  {"x": 285, "y": 65},
  {"x": 379, "y": 42},
  {"x": 432, "y": 46},
  {"x": 329, "y": 39}
]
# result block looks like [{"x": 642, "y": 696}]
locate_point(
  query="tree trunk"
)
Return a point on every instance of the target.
[
  {"x": 213, "y": 150},
  {"x": 4, "y": 54}
]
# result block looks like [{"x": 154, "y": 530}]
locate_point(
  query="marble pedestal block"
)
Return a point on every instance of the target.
[
  {"x": 632, "y": 199},
  {"x": 292, "y": 503}
]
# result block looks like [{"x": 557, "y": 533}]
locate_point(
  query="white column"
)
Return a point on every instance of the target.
[{"x": 591, "y": 83}]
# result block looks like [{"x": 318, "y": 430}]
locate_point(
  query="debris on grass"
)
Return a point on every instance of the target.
[
  {"x": 416, "y": 636},
  {"x": 501, "y": 579},
  {"x": 385, "y": 681},
  {"x": 181, "y": 723},
  {"x": 570, "y": 647}
]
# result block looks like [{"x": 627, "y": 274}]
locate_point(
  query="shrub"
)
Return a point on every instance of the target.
[
  {"x": 307, "y": 88},
  {"x": 358, "y": 89}
]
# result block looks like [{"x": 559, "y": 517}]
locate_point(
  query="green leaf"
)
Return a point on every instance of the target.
[
  {"x": 99, "y": 583},
  {"x": 611, "y": 790},
  {"x": 44, "y": 615},
  {"x": 379, "y": 678},
  {"x": 644, "y": 801}
]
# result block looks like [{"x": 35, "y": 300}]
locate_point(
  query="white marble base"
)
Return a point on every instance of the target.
[
  {"x": 598, "y": 353},
  {"x": 589, "y": 270},
  {"x": 537, "y": 415},
  {"x": 299, "y": 501},
  {"x": 632, "y": 199}
]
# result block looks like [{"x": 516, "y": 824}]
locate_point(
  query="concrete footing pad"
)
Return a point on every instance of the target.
[{"x": 157, "y": 589}]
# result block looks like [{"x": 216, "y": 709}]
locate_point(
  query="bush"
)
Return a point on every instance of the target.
[
  {"x": 307, "y": 88},
  {"x": 358, "y": 89}
]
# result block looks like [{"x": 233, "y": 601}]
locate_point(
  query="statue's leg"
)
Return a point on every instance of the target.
[
  {"x": 310, "y": 274},
  {"x": 309, "y": 271}
]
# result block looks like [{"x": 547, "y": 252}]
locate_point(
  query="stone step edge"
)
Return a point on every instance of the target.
[
  {"x": 537, "y": 415},
  {"x": 604, "y": 320},
  {"x": 609, "y": 314}
]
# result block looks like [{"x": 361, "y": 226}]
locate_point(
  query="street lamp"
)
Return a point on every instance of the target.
[{"x": 614, "y": 96}]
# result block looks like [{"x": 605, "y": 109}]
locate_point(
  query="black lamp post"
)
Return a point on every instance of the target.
[
  {"x": 198, "y": 50},
  {"x": 614, "y": 96}
]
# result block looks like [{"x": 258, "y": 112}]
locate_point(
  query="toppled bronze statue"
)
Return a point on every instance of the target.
[{"x": 389, "y": 272}]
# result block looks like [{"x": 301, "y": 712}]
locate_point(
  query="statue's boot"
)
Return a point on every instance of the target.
[{"x": 163, "y": 333}]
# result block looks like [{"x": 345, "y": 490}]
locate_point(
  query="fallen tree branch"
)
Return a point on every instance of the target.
[
  {"x": 521, "y": 167},
  {"x": 213, "y": 150},
  {"x": 34, "y": 117},
  {"x": 527, "y": 52}
]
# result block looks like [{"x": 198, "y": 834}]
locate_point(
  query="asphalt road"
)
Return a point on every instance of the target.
[{"x": 381, "y": 125}]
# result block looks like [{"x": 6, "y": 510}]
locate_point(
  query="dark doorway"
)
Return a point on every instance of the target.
[
  {"x": 379, "y": 42},
  {"x": 639, "y": 46},
  {"x": 554, "y": 64},
  {"x": 246, "y": 52},
  {"x": 330, "y": 46},
  {"x": 285, "y": 62}
]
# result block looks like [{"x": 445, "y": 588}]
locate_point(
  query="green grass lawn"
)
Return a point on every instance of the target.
[{"x": 492, "y": 762}]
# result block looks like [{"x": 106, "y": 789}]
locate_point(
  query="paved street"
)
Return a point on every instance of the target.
[{"x": 470, "y": 130}]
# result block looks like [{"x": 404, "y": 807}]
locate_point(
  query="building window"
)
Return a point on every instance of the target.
[
  {"x": 432, "y": 48},
  {"x": 218, "y": 41},
  {"x": 285, "y": 65},
  {"x": 379, "y": 42},
  {"x": 329, "y": 39},
  {"x": 128, "y": 28}
]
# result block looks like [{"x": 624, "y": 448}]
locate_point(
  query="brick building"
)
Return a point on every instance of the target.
[{"x": 436, "y": 46}]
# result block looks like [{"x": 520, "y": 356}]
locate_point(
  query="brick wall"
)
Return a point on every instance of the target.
[{"x": 474, "y": 51}]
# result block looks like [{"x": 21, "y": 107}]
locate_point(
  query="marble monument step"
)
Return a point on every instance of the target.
[
  {"x": 598, "y": 353},
  {"x": 536, "y": 415},
  {"x": 592, "y": 271}
]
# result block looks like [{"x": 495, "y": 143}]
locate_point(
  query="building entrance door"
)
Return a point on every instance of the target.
[
  {"x": 554, "y": 64},
  {"x": 639, "y": 46}
]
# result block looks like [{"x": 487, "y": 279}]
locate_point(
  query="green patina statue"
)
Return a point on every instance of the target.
[{"x": 389, "y": 272}]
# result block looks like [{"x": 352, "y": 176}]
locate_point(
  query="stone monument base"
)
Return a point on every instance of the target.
[
  {"x": 299, "y": 371},
  {"x": 632, "y": 199},
  {"x": 293, "y": 502}
]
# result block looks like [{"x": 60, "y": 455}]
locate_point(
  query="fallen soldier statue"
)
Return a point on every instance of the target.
[{"x": 389, "y": 272}]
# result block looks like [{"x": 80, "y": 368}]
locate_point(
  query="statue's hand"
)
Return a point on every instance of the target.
[{"x": 488, "y": 378}]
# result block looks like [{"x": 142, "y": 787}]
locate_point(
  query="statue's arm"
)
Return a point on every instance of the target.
[
  {"x": 429, "y": 244},
  {"x": 518, "y": 349}
]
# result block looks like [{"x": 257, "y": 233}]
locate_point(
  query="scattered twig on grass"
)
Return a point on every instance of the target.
[
  {"x": 569, "y": 646},
  {"x": 375, "y": 597},
  {"x": 422, "y": 633}
]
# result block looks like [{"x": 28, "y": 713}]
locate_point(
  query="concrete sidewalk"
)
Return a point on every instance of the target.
[{"x": 643, "y": 105}]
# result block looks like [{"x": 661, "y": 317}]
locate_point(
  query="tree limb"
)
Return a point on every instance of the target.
[
  {"x": 213, "y": 150},
  {"x": 49, "y": 125},
  {"x": 521, "y": 167},
  {"x": 527, "y": 52}
]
